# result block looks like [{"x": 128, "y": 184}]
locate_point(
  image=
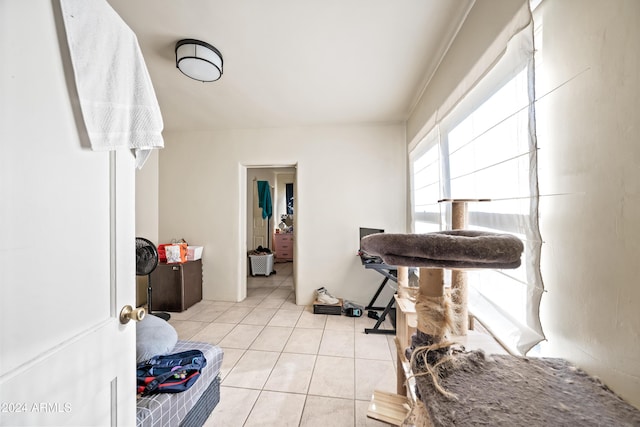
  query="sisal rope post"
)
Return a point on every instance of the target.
[
  {"x": 403, "y": 281},
  {"x": 431, "y": 282},
  {"x": 433, "y": 308},
  {"x": 459, "y": 278},
  {"x": 459, "y": 290},
  {"x": 403, "y": 276}
]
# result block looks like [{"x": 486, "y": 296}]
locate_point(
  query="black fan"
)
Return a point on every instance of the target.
[{"x": 146, "y": 262}]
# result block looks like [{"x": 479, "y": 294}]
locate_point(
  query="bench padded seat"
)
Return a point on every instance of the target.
[{"x": 170, "y": 409}]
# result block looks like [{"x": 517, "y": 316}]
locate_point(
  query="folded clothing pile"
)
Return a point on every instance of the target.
[{"x": 260, "y": 251}]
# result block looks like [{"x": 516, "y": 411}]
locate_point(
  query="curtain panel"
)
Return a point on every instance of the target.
[{"x": 481, "y": 144}]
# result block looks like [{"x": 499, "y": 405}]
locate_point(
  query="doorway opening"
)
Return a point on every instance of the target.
[{"x": 270, "y": 231}]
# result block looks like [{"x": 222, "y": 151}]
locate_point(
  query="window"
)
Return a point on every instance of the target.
[
  {"x": 485, "y": 148},
  {"x": 426, "y": 190}
]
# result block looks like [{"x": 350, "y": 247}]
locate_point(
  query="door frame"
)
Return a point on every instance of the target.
[{"x": 243, "y": 170}]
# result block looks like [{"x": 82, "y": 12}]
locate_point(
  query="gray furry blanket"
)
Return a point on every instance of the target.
[
  {"x": 446, "y": 249},
  {"x": 515, "y": 391}
]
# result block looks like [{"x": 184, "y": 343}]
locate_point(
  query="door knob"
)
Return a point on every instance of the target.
[{"x": 129, "y": 313}]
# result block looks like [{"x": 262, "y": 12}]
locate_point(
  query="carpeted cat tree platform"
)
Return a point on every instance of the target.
[{"x": 462, "y": 388}]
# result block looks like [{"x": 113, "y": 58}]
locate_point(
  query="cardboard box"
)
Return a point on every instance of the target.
[
  {"x": 194, "y": 253},
  {"x": 320, "y": 308}
]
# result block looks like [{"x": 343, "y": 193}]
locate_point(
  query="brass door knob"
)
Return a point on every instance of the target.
[{"x": 129, "y": 313}]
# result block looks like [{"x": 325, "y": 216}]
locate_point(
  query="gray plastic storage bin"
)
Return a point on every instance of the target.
[{"x": 261, "y": 264}]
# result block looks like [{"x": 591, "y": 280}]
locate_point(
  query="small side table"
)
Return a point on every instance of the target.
[{"x": 176, "y": 287}]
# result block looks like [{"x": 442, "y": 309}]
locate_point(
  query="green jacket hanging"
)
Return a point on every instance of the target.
[{"x": 264, "y": 199}]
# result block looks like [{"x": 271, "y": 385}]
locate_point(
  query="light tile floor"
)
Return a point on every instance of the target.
[{"x": 284, "y": 365}]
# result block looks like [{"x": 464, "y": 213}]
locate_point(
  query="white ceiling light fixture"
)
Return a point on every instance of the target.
[{"x": 198, "y": 60}]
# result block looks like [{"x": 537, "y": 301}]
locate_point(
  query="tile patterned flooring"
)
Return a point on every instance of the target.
[{"x": 284, "y": 365}]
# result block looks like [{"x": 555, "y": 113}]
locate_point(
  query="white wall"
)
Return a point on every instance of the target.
[
  {"x": 589, "y": 148},
  {"x": 146, "y": 213},
  {"x": 147, "y": 199},
  {"x": 347, "y": 177}
]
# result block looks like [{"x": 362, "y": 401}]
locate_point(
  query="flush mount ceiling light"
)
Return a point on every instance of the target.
[{"x": 198, "y": 60}]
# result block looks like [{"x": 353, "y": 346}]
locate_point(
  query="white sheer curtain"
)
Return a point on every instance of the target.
[
  {"x": 426, "y": 185},
  {"x": 482, "y": 145}
]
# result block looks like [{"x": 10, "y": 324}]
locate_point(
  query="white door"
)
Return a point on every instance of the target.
[
  {"x": 260, "y": 232},
  {"x": 66, "y": 244}
]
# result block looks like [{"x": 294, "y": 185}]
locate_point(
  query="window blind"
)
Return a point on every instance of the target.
[
  {"x": 426, "y": 181},
  {"x": 484, "y": 147}
]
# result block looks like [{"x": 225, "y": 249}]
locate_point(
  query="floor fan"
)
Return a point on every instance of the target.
[{"x": 146, "y": 262}]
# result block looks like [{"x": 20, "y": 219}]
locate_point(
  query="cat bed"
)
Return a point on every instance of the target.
[
  {"x": 188, "y": 408},
  {"x": 446, "y": 249},
  {"x": 511, "y": 391}
]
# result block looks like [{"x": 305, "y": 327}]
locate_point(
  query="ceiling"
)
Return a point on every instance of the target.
[{"x": 294, "y": 63}]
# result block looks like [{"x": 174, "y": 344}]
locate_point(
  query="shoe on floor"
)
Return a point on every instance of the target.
[
  {"x": 323, "y": 296},
  {"x": 324, "y": 291}
]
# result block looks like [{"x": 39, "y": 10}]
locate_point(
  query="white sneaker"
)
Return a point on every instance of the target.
[{"x": 323, "y": 296}]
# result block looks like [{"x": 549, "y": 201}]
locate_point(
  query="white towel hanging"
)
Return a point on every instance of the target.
[{"x": 116, "y": 96}]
